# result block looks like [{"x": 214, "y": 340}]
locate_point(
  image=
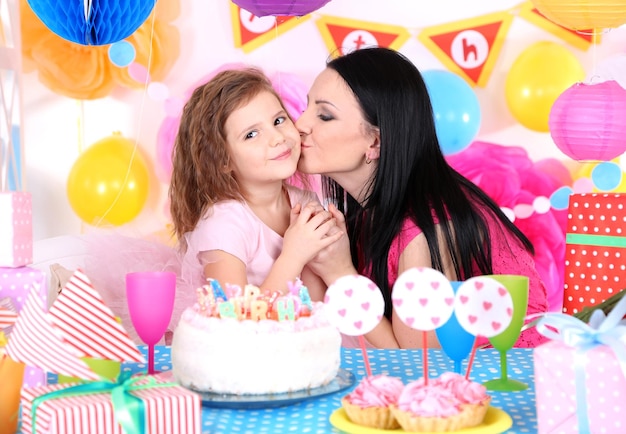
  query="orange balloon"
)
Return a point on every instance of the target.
[{"x": 109, "y": 182}]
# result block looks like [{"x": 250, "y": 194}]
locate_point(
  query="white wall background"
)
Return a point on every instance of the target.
[{"x": 55, "y": 127}]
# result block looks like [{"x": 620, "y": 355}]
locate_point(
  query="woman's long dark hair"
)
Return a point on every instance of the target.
[{"x": 413, "y": 178}]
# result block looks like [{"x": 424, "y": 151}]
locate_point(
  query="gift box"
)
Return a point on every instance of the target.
[
  {"x": 555, "y": 389},
  {"x": 16, "y": 226},
  {"x": 595, "y": 258},
  {"x": 580, "y": 375},
  {"x": 168, "y": 408},
  {"x": 16, "y": 284}
]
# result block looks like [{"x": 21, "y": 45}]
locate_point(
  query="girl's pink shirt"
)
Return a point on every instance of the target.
[{"x": 231, "y": 226}]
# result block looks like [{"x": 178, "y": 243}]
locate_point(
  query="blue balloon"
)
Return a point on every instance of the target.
[
  {"x": 455, "y": 341},
  {"x": 456, "y": 110},
  {"x": 105, "y": 22},
  {"x": 606, "y": 176}
]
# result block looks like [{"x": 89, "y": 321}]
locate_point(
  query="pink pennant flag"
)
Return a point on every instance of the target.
[
  {"x": 87, "y": 324},
  {"x": 34, "y": 343}
]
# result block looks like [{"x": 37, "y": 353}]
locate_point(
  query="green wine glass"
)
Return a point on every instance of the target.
[{"x": 503, "y": 342}]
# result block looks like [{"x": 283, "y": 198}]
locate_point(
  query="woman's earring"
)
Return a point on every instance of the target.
[{"x": 367, "y": 160}]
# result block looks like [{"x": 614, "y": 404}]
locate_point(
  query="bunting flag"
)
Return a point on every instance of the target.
[
  {"x": 35, "y": 343},
  {"x": 250, "y": 31},
  {"x": 579, "y": 39},
  {"x": 343, "y": 35},
  {"x": 469, "y": 47},
  {"x": 88, "y": 326}
]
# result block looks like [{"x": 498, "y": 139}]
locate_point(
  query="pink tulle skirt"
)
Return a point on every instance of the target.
[{"x": 110, "y": 256}]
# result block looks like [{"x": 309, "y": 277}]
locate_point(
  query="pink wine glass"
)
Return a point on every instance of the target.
[{"x": 150, "y": 298}]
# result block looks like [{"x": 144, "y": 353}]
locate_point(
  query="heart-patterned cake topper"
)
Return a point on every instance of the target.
[
  {"x": 354, "y": 304},
  {"x": 423, "y": 298},
  {"x": 483, "y": 306}
]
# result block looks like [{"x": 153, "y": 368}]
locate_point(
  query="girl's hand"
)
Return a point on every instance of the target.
[
  {"x": 334, "y": 261},
  {"x": 312, "y": 229}
]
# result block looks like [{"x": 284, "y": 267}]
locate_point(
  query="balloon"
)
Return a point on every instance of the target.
[
  {"x": 456, "y": 110},
  {"x": 108, "y": 182},
  {"x": 536, "y": 79}
]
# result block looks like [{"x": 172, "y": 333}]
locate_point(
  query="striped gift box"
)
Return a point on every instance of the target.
[{"x": 169, "y": 409}]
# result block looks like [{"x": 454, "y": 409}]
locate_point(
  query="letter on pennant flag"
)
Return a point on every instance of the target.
[
  {"x": 343, "y": 35},
  {"x": 470, "y": 47},
  {"x": 250, "y": 31}
]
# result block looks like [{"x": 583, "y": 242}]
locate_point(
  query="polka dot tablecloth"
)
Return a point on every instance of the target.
[{"x": 312, "y": 416}]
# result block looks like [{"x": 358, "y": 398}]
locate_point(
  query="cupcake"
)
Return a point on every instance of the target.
[
  {"x": 448, "y": 403},
  {"x": 369, "y": 403}
]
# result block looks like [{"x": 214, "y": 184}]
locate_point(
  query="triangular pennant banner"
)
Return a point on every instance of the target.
[
  {"x": 87, "y": 324},
  {"x": 470, "y": 47},
  {"x": 250, "y": 31},
  {"x": 35, "y": 343},
  {"x": 579, "y": 39},
  {"x": 343, "y": 35}
]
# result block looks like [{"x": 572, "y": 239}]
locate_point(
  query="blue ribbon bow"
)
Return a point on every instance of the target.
[{"x": 602, "y": 329}]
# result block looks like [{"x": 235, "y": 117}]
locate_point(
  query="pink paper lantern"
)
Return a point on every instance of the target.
[
  {"x": 587, "y": 121},
  {"x": 298, "y": 8}
]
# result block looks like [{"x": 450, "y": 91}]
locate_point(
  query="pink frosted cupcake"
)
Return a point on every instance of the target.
[
  {"x": 447, "y": 403},
  {"x": 369, "y": 403}
]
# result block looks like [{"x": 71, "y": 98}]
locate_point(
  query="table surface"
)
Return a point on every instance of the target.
[{"x": 312, "y": 415}]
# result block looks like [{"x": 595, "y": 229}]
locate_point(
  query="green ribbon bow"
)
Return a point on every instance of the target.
[{"x": 129, "y": 410}]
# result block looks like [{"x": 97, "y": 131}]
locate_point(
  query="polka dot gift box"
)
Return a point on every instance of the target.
[
  {"x": 15, "y": 284},
  {"x": 16, "y": 227},
  {"x": 580, "y": 375},
  {"x": 595, "y": 257}
]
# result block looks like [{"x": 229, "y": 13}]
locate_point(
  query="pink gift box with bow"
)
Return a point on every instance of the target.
[
  {"x": 16, "y": 226},
  {"x": 555, "y": 389},
  {"x": 580, "y": 375}
]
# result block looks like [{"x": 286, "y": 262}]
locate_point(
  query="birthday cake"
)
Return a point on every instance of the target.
[{"x": 248, "y": 342}]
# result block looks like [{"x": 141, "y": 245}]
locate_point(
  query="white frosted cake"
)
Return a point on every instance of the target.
[{"x": 255, "y": 344}]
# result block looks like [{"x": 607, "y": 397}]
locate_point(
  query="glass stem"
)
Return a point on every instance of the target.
[
  {"x": 150, "y": 359},
  {"x": 503, "y": 368},
  {"x": 457, "y": 366}
]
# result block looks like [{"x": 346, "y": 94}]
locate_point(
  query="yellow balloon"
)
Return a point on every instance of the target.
[
  {"x": 536, "y": 79},
  {"x": 107, "y": 183}
]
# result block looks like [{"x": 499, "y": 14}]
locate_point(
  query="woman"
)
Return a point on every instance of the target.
[{"x": 369, "y": 130}]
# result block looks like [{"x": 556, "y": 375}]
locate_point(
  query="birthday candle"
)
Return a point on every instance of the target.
[{"x": 218, "y": 292}]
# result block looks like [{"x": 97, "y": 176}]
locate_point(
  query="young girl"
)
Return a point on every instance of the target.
[{"x": 236, "y": 219}]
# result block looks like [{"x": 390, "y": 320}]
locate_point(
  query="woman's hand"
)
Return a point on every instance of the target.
[{"x": 334, "y": 261}]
